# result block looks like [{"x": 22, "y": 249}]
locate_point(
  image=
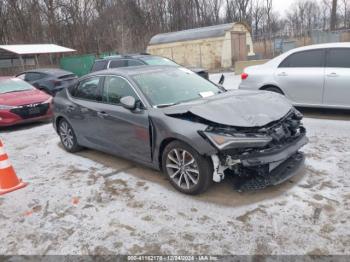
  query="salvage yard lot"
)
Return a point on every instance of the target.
[{"x": 93, "y": 203}]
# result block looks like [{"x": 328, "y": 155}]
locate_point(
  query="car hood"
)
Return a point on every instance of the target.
[
  {"x": 197, "y": 69},
  {"x": 237, "y": 108},
  {"x": 23, "y": 98}
]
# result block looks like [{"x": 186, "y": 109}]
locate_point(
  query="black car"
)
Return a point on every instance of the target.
[
  {"x": 118, "y": 61},
  {"x": 50, "y": 80},
  {"x": 171, "y": 119}
]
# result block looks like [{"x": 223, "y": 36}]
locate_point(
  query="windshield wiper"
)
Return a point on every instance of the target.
[{"x": 167, "y": 105}]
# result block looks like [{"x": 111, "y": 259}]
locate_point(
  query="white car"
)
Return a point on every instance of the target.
[{"x": 310, "y": 76}]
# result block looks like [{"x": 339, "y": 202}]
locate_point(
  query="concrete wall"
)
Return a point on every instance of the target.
[
  {"x": 205, "y": 53},
  {"x": 209, "y": 53}
]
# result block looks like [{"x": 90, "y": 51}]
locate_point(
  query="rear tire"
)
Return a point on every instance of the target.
[
  {"x": 68, "y": 137},
  {"x": 188, "y": 171},
  {"x": 274, "y": 89}
]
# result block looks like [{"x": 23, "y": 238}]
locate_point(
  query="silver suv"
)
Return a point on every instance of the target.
[{"x": 312, "y": 76}]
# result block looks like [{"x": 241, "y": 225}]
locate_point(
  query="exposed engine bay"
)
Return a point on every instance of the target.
[{"x": 263, "y": 155}]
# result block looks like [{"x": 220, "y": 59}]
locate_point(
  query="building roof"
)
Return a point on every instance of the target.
[
  {"x": 192, "y": 34},
  {"x": 33, "y": 49}
]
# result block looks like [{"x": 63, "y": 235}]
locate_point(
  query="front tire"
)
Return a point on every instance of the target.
[
  {"x": 187, "y": 170},
  {"x": 68, "y": 137}
]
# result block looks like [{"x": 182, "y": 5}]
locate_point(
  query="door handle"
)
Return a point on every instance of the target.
[
  {"x": 332, "y": 75},
  {"x": 283, "y": 74},
  {"x": 102, "y": 114}
]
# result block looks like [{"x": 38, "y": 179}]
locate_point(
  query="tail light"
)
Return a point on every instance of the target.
[{"x": 244, "y": 76}]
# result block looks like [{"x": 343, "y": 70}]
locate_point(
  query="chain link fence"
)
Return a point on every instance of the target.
[{"x": 269, "y": 45}]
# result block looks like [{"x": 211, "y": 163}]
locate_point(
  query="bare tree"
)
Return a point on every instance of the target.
[
  {"x": 334, "y": 15},
  {"x": 257, "y": 16},
  {"x": 127, "y": 25}
]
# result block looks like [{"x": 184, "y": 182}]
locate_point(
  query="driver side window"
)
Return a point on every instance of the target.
[{"x": 116, "y": 88}]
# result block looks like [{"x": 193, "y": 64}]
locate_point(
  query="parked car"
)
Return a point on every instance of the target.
[
  {"x": 20, "y": 102},
  {"x": 310, "y": 76},
  {"x": 50, "y": 80},
  {"x": 171, "y": 119},
  {"x": 139, "y": 60}
]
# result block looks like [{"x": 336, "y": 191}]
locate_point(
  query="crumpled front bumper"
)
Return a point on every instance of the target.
[
  {"x": 280, "y": 174},
  {"x": 282, "y": 153},
  {"x": 271, "y": 167}
]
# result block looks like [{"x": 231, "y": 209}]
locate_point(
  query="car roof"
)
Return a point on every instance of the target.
[
  {"x": 49, "y": 71},
  {"x": 134, "y": 70},
  {"x": 125, "y": 56},
  {"x": 323, "y": 46}
]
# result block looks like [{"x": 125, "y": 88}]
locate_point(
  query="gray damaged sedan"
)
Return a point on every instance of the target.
[{"x": 193, "y": 130}]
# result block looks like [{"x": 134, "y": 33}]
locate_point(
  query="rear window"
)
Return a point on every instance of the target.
[
  {"x": 312, "y": 58},
  {"x": 98, "y": 66},
  {"x": 134, "y": 63},
  {"x": 158, "y": 61},
  {"x": 339, "y": 58},
  {"x": 118, "y": 63},
  {"x": 14, "y": 85}
]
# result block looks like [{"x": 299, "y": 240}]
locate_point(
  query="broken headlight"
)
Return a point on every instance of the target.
[{"x": 223, "y": 141}]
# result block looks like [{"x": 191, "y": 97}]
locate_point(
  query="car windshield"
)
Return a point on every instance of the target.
[
  {"x": 173, "y": 86},
  {"x": 158, "y": 61},
  {"x": 13, "y": 85}
]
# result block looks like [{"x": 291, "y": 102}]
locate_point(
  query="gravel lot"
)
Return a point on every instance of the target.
[{"x": 92, "y": 203}]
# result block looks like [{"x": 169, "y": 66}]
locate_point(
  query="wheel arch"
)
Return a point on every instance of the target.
[
  {"x": 60, "y": 118},
  {"x": 57, "y": 121},
  {"x": 165, "y": 142},
  {"x": 271, "y": 85},
  {"x": 162, "y": 147}
]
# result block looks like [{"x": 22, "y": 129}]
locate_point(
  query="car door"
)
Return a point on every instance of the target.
[
  {"x": 301, "y": 77},
  {"x": 122, "y": 131},
  {"x": 337, "y": 82},
  {"x": 83, "y": 111}
]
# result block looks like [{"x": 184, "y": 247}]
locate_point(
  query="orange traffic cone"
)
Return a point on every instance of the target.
[{"x": 8, "y": 179}]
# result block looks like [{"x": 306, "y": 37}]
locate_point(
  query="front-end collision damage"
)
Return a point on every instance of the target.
[{"x": 260, "y": 156}]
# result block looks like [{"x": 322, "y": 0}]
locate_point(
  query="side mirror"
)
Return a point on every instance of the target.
[
  {"x": 222, "y": 80},
  {"x": 128, "y": 102}
]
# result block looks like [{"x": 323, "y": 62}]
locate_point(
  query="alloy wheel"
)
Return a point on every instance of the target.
[
  {"x": 66, "y": 134},
  {"x": 182, "y": 168}
]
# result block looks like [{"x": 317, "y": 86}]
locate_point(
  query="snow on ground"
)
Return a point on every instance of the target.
[
  {"x": 92, "y": 203},
  {"x": 232, "y": 81}
]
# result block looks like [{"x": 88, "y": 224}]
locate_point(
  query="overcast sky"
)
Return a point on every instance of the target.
[{"x": 283, "y": 5}]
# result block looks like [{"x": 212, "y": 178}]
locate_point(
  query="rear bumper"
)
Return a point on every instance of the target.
[{"x": 246, "y": 86}]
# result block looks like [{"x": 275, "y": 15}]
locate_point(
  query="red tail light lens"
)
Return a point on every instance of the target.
[{"x": 244, "y": 76}]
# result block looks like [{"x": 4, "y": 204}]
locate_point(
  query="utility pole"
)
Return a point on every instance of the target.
[{"x": 334, "y": 15}]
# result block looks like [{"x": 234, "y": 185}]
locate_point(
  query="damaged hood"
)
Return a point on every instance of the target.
[{"x": 237, "y": 108}]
